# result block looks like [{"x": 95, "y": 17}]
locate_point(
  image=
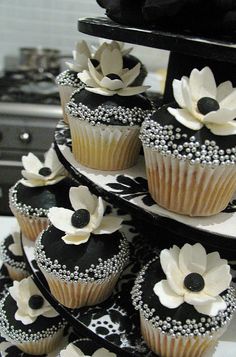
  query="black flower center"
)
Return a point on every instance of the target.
[
  {"x": 95, "y": 62},
  {"x": 36, "y": 302},
  {"x": 206, "y": 105},
  {"x": 194, "y": 282},
  {"x": 45, "y": 171},
  {"x": 113, "y": 76},
  {"x": 80, "y": 218}
]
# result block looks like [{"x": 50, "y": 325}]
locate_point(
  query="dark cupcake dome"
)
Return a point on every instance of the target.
[
  {"x": 163, "y": 133},
  {"x": 16, "y": 261},
  {"x": 109, "y": 110},
  {"x": 95, "y": 260},
  {"x": 43, "y": 327},
  {"x": 181, "y": 321},
  {"x": 36, "y": 201}
]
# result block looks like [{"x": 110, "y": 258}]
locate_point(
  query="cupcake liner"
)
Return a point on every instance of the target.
[
  {"x": 75, "y": 294},
  {"x": 104, "y": 147},
  {"x": 188, "y": 189},
  {"x": 30, "y": 226},
  {"x": 42, "y": 346},
  {"x": 16, "y": 274},
  {"x": 65, "y": 93},
  {"x": 165, "y": 345}
]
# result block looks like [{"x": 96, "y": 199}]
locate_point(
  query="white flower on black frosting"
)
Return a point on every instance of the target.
[
  {"x": 86, "y": 218},
  {"x": 113, "y": 78},
  {"x": 203, "y": 103},
  {"x": 81, "y": 54},
  {"x": 36, "y": 173},
  {"x": 15, "y": 247},
  {"x": 73, "y": 351},
  {"x": 30, "y": 302},
  {"x": 193, "y": 277}
]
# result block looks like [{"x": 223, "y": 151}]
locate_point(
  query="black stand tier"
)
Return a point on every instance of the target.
[{"x": 188, "y": 51}]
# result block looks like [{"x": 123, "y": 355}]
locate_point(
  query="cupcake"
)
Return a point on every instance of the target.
[
  {"x": 190, "y": 146},
  {"x": 82, "y": 253},
  {"x": 11, "y": 255},
  {"x": 85, "y": 347},
  {"x": 44, "y": 185},
  {"x": 106, "y": 116},
  {"x": 184, "y": 301},
  {"x": 28, "y": 321}
]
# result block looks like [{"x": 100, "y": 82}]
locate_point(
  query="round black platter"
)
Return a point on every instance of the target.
[{"x": 128, "y": 189}]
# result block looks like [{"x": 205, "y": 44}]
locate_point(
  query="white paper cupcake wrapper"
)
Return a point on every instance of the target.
[
  {"x": 16, "y": 274},
  {"x": 77, "y": 294},
  {"x": 165, "y": 345},
  {"x": 104, "y": 147},
  {"x": 189, "y": 189},
  {"x": 30, "y": 226},
  {"x": 65, "y": 93}
]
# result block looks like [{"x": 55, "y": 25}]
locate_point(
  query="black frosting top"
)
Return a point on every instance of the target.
[
  {"x": 99, "y": 257},
  {"x": 162, "y": 132},
  {"x": 110, "y": 110},
  {"x": 42, "y": 327},
  {"x": 8, "y": 257},
  {"x": 184, "y": 320},
  {"x": 40, "y": 199}
]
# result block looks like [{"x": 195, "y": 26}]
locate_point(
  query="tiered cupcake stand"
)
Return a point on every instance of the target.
[{"x": 114, "y": 324}]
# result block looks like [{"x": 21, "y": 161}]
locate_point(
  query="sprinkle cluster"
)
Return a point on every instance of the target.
[
  {"x": 21, "y": 336},
  {"x": 206, "y": 326},
  {"x": 69, "y": 78},
  {"x": 4, "y": 256},
  {"x": 22, "y": 208},
  {"x": 164, "y": 139},
  {"x": 98, "y": 273},
  {"x": 105, "y": 114}
]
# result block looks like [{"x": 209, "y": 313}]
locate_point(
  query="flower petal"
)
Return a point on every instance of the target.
[
  {"x": 199, "y": 298},
  {"x": 61, "y": 219},
  {"x": 98, "y": 52},
  {"x": 51, "y": 161},
  {"x": 223, "y": 90},
  {"x": 16, "y": 249},
  {"x": 175, "y": 278},
  {"x": 109, "y": 224},
  {"x": 24, "y": 318},
  {"x": 185, "y": 118},
  {"x": 94, "y": 73},
  {"x": 202, "y": 83},
  {"x": 212, "y": 308},
  {"x": 192, "y": 259},
  {"x": 74, "y": 66},
  {"x": 86, "y": 78},
  {"x": 177, "y": 90},
  {"x": 33, "y": 183},
  {"x": 32, "y": 176},
  {"x": 81, "y": 238},
  {"x": 31, "y": 163},
  {"x": 111, "y": 61},
  {"x": 221, "y": 130},
  {"x": 132, "y": 90},
  {"x": 220, "y": 116},
  {"x": 168, "y": 256},
  {"x": 129, "y": 76},
  {"x": 81, "y": 197},
  {"x": 217, "y": 280},
  {"x": 166, "y": 295},
  {"x": 112, "y": 84},
  {"x": 51, "y": 312},
  {"x": 102, "y": 91},
  {"x": 188, "y": 103},
  {"x": 97, "y": 216},
  {"x": 82, "y": 48},
  {"x": 214, "y": 260},
  {"x": 229, "y": 102}
]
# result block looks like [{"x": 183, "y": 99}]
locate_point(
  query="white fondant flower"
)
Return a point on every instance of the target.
[
  {"x": 113, "y": 78},
  {"x": 28, "y": 299},
  {"x": 86, "y": 219},
  {"x": 73, "y": 351},
  {"x": 37, "y": 173},
  {"x": 203, "y": 103},
  {"x": 193, "y": 277},
  {"x": 15, "y": 247}
]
